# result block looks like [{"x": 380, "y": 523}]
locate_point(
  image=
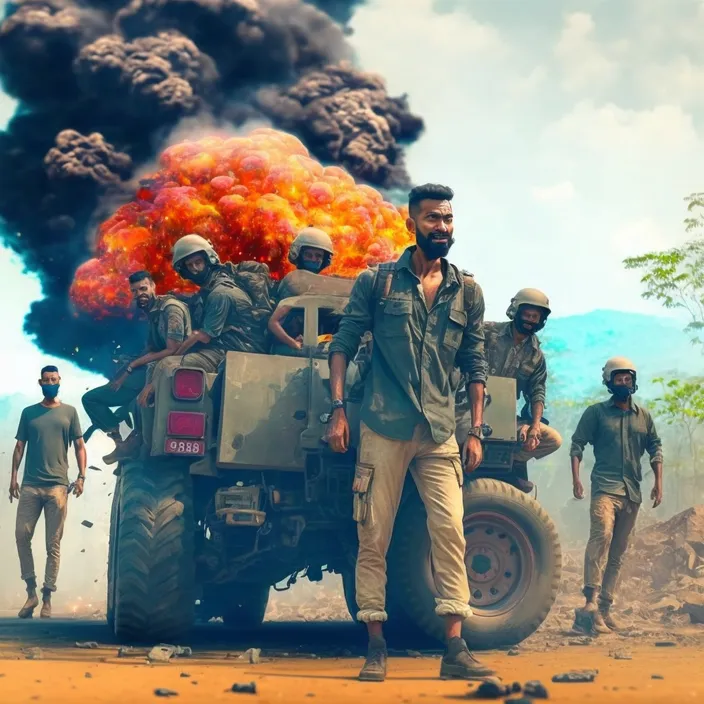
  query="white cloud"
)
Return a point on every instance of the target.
[
  {"x": 610, "y": 127},
  {"x": 631, "y": 239},
  {"x": 583, "y": 62},
  {"x": 678, "y": 81},
  {"x": 562, "y": 191}
]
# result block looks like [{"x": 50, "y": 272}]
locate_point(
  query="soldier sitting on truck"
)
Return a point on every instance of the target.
[
  {"x": 513, "y": 350},
  {"x": 169, "y": 324},
  {"x": 311, "y": 251}
]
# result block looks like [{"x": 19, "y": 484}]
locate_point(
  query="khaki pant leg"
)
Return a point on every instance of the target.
[
  {"x": 55, "y": 505},
  {"x": 438, "y": 474},
  {"x": 550, "y": 441},
  {"x": 388, "y": 460},
  {"x": 29, "y": 509},
  {"x": 626, "y": 515},
  {"x": 602, "y": 516}
]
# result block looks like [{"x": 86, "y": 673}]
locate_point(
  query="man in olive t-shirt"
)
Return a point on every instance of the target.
[{"x": 46, "y": 429}]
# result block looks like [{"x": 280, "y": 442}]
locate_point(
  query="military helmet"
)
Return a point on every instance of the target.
[
  {"x": 192, "y": 244},
  {"x": 310, "y": 237},
  {"x": 528, "y": 297},
  {"x": 618, "y": 364}
]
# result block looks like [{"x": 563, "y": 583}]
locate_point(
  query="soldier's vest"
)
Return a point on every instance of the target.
[{"x": 155, "y": 340}]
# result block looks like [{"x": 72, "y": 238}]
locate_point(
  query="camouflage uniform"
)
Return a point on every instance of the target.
[{"x": 408, "y": 418}]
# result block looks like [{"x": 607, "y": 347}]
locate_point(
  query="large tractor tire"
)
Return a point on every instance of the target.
[
  {"x": 513, "y": 559},
  {"x": 154, "y": 572},
  {"x": 112, "y": 554}
]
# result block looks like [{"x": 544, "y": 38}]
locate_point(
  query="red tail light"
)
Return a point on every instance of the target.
[
  {"x": 182, "y": 424},
  {"x": 188, "y": 384}
]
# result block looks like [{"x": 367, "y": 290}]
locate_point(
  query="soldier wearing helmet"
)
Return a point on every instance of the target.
[
  {"x": 620, "y": 431},
  {"x": 513, "y": 350},
  {"x": 310, "y": 252}
]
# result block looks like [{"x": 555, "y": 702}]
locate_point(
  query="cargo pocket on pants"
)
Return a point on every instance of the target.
[{"x": 361, "y": 492}]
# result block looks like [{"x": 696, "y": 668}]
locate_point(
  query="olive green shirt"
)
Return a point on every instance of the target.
[
  {"x": 524, "y": 362},
  {"x": 619, "y": 438},
  {"x": 415, "y": 349},
  {"x": 169, "y": 319},
  {"x": 47, "y": 433}
]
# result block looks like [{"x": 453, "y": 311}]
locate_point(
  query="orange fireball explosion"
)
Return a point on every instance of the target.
[{"x": 249, "y": 196}]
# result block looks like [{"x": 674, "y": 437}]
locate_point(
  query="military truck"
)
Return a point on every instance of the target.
[{"x": 211, "y": 519}]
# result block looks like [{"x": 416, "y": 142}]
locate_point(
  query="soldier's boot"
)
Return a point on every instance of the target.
[
  {"x": 609, "y": 621},
  {"x": 128, "y": 449},
  {"x": 520, "y": 473},
  {"x": 374, "y": 668},
  {"x": 46, "y": 604},
  {"x": 117, "y": 438},
  {"x": 598, "y": 625},
  {"x": 32, "y": 602},
  {"x": 458, "y": 663}
]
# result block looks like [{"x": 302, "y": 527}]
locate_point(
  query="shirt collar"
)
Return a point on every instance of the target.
[
  {"x": 634, "y": 406},
  {"x": 449, "y": 272},
  {"x": 531, "y": 340}
]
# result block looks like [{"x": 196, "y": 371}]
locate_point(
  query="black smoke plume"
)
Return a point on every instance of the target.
[{"x": 102, "y": 83}]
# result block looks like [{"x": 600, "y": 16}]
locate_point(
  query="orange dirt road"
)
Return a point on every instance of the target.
[{"x": 68, "y": 674}]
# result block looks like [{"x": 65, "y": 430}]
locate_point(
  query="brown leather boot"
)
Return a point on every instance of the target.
[
  {"x": 28, "y": 609},
  {"x": 598, "y": 625},
  {"x": 117, "y": 438},
  {"x": 374, "y": 668},
  {"x": 609, "y": 621},
  {"x": 46, "y": 608},
  {"x": 128, "y": 449}
]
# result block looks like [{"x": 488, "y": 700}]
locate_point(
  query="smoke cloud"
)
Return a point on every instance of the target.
[{"x": 102, "y": 85}]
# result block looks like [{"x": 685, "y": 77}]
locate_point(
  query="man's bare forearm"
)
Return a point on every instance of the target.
[
  {"x": 657, "y": 471},
  {"x": 17, "y": 455},
  {"x": 475, "y": 392},
  {"x": 192, "y": 339},
  {"x": 536, "y": 412},
  {"x": 338, "y": 372},
  {"x": 575, "y": 462}
]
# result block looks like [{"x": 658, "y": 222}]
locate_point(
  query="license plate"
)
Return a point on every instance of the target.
[{"x": 176, "y": 446}]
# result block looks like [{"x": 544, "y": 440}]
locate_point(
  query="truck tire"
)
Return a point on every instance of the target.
[
  {"x": 154, "y": 568},
  {"x": 513, "y": 558},
  {"x": 112, "y": 555}
]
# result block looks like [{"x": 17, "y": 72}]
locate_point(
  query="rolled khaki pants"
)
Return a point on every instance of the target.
[
  {"x": 382, "y": 464},
  {"x": 53, "y": 501},
  {"x": 550, "y": 441},
  {"x": 612, "y": 521}
]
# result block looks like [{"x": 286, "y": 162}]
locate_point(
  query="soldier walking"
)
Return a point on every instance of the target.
[
  {"x": 45, "y": 430},
  {"x": 426, "y": 317},
  {"x": 620, "y": 431}
]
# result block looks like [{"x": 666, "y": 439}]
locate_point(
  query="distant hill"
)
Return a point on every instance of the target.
[{"x": 577, "y": 346}]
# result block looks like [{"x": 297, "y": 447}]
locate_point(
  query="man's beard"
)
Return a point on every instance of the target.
[
  {"x": 146, "y": 304},
  {"x": 433, "y": 249}
]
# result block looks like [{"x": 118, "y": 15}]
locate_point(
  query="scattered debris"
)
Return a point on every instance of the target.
[
  {"x": 87, "y": 524},
  {"x": 493, "y": 688},
  {"x": 413, "y": 654},
  {"x": 33, "y": 653},
  {"x": 514, "y": 651},
  {"x": 161, "y": 653},
  {"x": 665, "y": 644},
  {"x": 656, "y": 677},
  {"x": 88, "y": 675},
  {"x": 83, "y": 550},
  {"x": 250, "y": 688},
  {"x": 87, "y": 645},
  {"x": 584, "y": 640},
  {"x": 253, "y": 655},
  {"x": 94, "y": 468},
  {"x": 128, "y": 651},
  {"x": 161, "y": 692},
  {"x": 517, "y": 700},
  {"x": 576, "y": 676},
  {"x": 184, "y": 674},
  {"x": 620, "y": 655},
  {"x": 535, "y": 689}
]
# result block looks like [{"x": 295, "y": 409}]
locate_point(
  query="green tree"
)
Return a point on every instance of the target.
[{"x": 675, "y": 277}]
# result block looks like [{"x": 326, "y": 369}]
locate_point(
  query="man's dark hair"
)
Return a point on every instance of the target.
[
  {"x": 140, "y": 276},
  {"x": 428, "y": 191},
  {"x": 48, "y": 369}
]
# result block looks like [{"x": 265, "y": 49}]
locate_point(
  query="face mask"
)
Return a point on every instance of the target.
[
  {"x": 433, "y": 250},
  {"x": 50, "y": 390},
  {"x": 620, "y": 393},
  {"x": 314, "y": 267},
  {"x": 523, "y": 327}
]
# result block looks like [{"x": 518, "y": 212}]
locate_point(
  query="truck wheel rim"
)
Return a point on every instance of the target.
[{"x": 500, "y": 563}]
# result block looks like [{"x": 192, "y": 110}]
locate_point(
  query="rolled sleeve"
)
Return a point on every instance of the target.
[
  {"x": 584, "y": 434},
  {"x": 217, "y": 309},
  {"x": 537, "y": 382},
  {"x": 175, "y": 324},
  {"x": 471, "y": 356},
  {"x": 356, "y": 319},
  {"x": 654, "y": 443}
]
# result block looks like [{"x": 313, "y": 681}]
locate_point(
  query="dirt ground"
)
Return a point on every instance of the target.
[{"x": 291, "y": 671}]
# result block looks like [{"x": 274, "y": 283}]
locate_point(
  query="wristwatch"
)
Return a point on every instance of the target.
[
  {"x": 338, "y": 403},
  {"x": 476, "y": 431}
]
